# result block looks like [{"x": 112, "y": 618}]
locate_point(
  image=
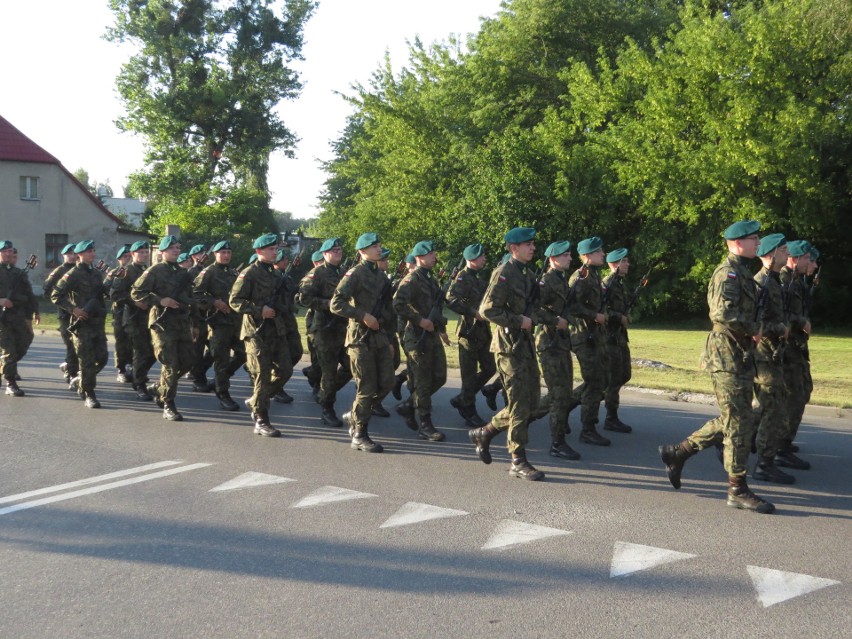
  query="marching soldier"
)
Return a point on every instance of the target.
[
  {"x": 17, "y": 306},
  {"x": 729, "y": 357},
  {"x": 203, "y": 355},
  {"x": 123, "y": 349},
  {"x": 212, "y": 289},
  {"x": 476, "y": 361},
  {"x": 328, "y": 330},
  {"x": 256, "y": 295},
  {"x": 617, "y": 341},
  {"x": 506, "y": 303},
  {"x": 81, "y": 294},
  {"x": 311, "y": 372},
  {"x": 360, "y": 296},
  {"x": 388, "y": 321},
  {"x": 164, "y": 290},
  {"x": 288, "y": 312},
  {"x": 587, "y": 338},
  {"x": 70, "y": 367}
]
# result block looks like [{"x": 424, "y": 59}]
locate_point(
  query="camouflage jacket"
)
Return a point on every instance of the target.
[
  {"x": 586, "y": 303},
  {"x": 165, "y": 279},
  {"x": 554, "y": 304},
  {"x": 464, "y": 297},
  {"x": 119, "y": 293},
  {"x": 15, "y": 285},
  {"x": 111, "y": 276},
  {"x": 796, "y": 295},
  {"x": 414, "y": 300},
  {"x": 359, "y": 292},
  {"x": 504, "y": 303},
  {"x": 81, "y": 287},
  {"x": 616, "y": 308},
  {"x": 773, "y": 323},
  {"x": 51, "y": 280},
  {"x": 315, "y": 292},
  {"x": 257, "y": 286},
  {"x": 215, "y": 283}
]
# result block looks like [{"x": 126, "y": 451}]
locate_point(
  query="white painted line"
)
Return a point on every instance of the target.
[
  {"x": 329, "y": 494},
  {"x": 85, "y": 482},
  {"x": 630, "y": 558},
  {"x": 775, "y": 586},
  {"x": 414, "y": 513},
  {"x": 97, "y": 489},
  {"x": 251, "y": 479},
  {"x": 511, "y": 533}
]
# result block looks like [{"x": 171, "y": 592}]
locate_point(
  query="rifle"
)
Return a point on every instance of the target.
[
  {"x": 271, "y": 303},
  {"x": 31, "y": 263},
  {"x": 93, "y": 305},
  {"x": 436, "y": 312},
  {"x": 388, "y": 289},
  {"x": 814, "y": 284},
  {"x": 184, "y": 281},
  {"x": 635, "y": 297}
]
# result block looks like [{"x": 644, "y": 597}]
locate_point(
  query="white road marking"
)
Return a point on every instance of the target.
[
  {"x": 511, "y": 533},
  {"x": 775, "y": 586},
  {"x": 629, "y": 558},
  {"x": 414, "y": 513},
  {"x": 329, "y": 494},
  {"x": 251, "y": 479},
  {"x": 97, "y": 489},
  {"x": 85, "y": 482}
]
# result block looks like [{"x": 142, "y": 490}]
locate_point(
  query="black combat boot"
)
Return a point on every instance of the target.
[
  {"x": 379, "y": 410},
  {"x": 361, "y": 441},
  {"x": 674, "y": 457},
  {"x": 613, "y": 423},
  {"x": 91, "y": 401},
  {"x": 563, "y": 450},
  {"x": 740, "y": 496},
  {"x": 489, "y": 392},
  {"x": 154, "y": 391},
  {"x": 472, "y": 418},
  {"x": 788, "y": 459},
  {"x": 428, "y": 431},
  {"x": 766, "y": 470},
  {"x": 523, "y": 469},
  {"x": 142, "y": 393},
  {"x": 329, "y": 417},
  {"x": 406, "y": 411},
  {"x": 590, "y": 435},
  {"x": 263, "y": 427},
  {"x": 283, "y": 397},
  {"x": 399, "y": 380},
  {"x": 74, "y": 384},
  {"x": 201, "y": 385},
  {"x": 12, "y": 388},
  {"x": 226, "y": 402},
  {"x": 170, "y": 412},
  {"x": 346, "y": 418},
  {"x": 481, "y": 438}
]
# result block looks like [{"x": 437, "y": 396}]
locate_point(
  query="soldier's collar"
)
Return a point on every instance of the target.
[{"x": 373, "y": 266}]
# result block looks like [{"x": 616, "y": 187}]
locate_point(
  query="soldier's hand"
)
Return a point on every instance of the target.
[
  {"x": 195, "y": 333},
  {"x": 221, "y": 306},
  {"x": 267, "y": 312},
  {"x": 370, "y": 321},
  {"x": 479, "y": 316},
  {"x": 445, "y": 338},
  {"x": 807, "y": 328},
  {"x": 759, "y": 336},
  {"x": 625, "y": 321},
  {"x": 427, "y": 325},
  {"x": 142, "y": 305},
  {"x": 5, "y": 302},
  {"x": 526, "y": 323},
  {"x": 169, "y": 302},
  {"x": 561, "y": 324},
  {"x": 79, "y": 313},
  {"x": 600, "y": 318},
  {"x": 37, "y": 319}
]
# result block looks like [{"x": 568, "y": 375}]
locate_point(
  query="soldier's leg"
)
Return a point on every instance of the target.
[
  {"x": 219, "y": 344},
  {"x": 797, "y": 391},
  {"x": 10, "y": 340},
  {"x": 558, "y": 376},
  {"x": 420, "y": 362},
  {"x": 365, "y": 372},
  {"x": 143, "y": 354},
  {"x": 591, "y": 391},
  {"x": 72, "y": 365},
  {"x": 770, "y": 422},
  {"x": 201, "y": 359},
  {"x": 327, "y": 359},
  {"x": 260, "y": 372},
  {"x": 123, "y": 347},
  {"x": 468, "y": 366},
  {"x": 619, "y": 375},
  {"x": 282, "y": 364}
]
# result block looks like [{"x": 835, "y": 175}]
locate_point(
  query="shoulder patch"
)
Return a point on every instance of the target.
[
  {"x": 310, "y": 276},
  {"x": 502, "y": 278},
  {"x": 459, "y": 278},
  {"x": 241, "y": 275},
  {"x": 732, "y": 275}
]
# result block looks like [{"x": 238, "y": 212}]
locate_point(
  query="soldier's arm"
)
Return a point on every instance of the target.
[
  {"x": 342, "y": 300},
  {"x": 201, "y": 293},
  {"x": 403, "y": 302},
  {"x": 240, "y": 298},
  {"x": 459, "y": 297},
  {"x": 494, "y": 306},
  {"x": 60, "y": 295},
  {"x": 310, "y": 290},
  {"x": 142, "y": 290},
  {"x": 582, "y": 306}
]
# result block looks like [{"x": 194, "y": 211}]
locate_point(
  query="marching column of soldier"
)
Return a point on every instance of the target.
[{"x": 522, "y": 324}]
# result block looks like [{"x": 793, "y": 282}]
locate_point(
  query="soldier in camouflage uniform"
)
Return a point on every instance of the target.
[
  {"x": 203, "y": 354},
  {"x": 771, "y": 419},
  {"x": 402, "y": 377},
  {"x": 388, "y": 319},
  {"x": 360, "y": 296},
  {"x": 70, "y": 367},
  {"x": 476, "y": 361},
  {"x": 165, "y": 290},
  {"x": 729, "y": 357},
  {"x": 553, "y": 345},
  {"x": 328, "y": 330},
  {"x": 588, "y": 339},
  {"x": 617, "y": 342},
  {"x": 135, "y": 318},
  {"x": 506, "y": 304},
  {"x": 212, "y": 289},
  {"x": 123, "y": 349},
  {"x": 312, "y": 372},
  {"x": 257, "y": 296},
  {"x": 288, "y": 312},
  {"x": 797, "y": 365},
  {"x": 81, "y": 294},
  {"x": 17, "y": 306}
]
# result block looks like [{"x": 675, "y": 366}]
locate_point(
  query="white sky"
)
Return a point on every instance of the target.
[{"x": 57, "y": 78}]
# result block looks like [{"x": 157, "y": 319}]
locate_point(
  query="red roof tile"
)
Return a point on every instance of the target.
[{"x": 17, "y": 147}]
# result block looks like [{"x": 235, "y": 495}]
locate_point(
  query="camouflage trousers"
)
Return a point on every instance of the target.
[
  {"x": 294, "y": 338},
  {"x": 592, "y": 357},
  {"x": 222, "y": 340},
  {"x": 333, "y": 363},
  {"x": 15, "y": 339},
  {"x": 521, "y": 380},
  {"x": 618, "y": 356},
  {"x": 771, "y": 418},
  {"x": 123, "y": 346},
  {"x": 558, "y": 371},
  {"x": 733, "y": 428},
  {"x": 373, "y": 370},
  {"x": 797, "y": 378},
  {"x": 90, "y": 344},
  {"x": 427, "y": 371},
  {"x": 70, "y": 353},
  {"x": 270, "y": 365},
  {"x": 476, "y": 366},
  {"x": 143, "y": 352},
  {"x": 202, "y": 358},
  {"x": 174, "y": 350}
]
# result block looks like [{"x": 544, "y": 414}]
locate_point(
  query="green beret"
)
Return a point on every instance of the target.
[
  {"x": 367, "y": 239},
  {"x": 738, "y": 230},
  {"x": 124, "y": 249},
  {"x": 84, "y": 246},
  {"x": 473, "y": 251},
  {"x": 183, "y": 257},
  {"x": 253, "y": 259},
  {"x": 195, "y": 250},
  {"x": 281, "y": 254},
  {"x": 140, "y": 244},
  {"x": 799, "y": 247},
  {"x": 385, "y": 253},
  {"x": 5, "y": 244},
  {"x": 224, "y": 245},
  {"x": 815, "y": 253},
  {"x": 617, "y": 255},
  {"x": 330, "y": 243},
  {"x": 519, "y": 234},
  {"x": 269, "y": 239},
  {"x": 316, "y": 256},
  {"x": 409, "y": 259},
  {"x": 557, "y": 248},
  {"x": 770, "y": 243},
  {"x": 423, "y": 248},
  {"x": 590, "y": 245},
  {"x": 168, "y": 241},
  {"x": 68, "y": 248}
]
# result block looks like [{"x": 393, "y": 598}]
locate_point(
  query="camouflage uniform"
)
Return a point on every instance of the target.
[
  {"x": 617, "y": 342},
  {"x": 135, "y": 322},
  {"x": 83, "y": 287},
  {"x": 289, "y": 312},
  {"x": 203, "y": 355},
  {"x": 476, "y": 361},
  {"x": 797, "y": 365},
  {"x": 72, "y": 366},
  {"x": 123, "y": 346},
  {"x": 15, "y": 333}
]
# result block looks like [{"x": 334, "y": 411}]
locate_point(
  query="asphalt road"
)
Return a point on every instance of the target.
[{"x": 117, "y": 523}]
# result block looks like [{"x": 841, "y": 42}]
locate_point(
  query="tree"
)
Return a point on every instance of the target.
[
  {"x": 202, "y": 92},
  {"x": 98, "y": 189}
]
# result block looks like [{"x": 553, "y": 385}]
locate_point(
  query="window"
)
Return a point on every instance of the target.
[
  {"x": 29, "y": 188},
  {"x": 53, "y": 243}
]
